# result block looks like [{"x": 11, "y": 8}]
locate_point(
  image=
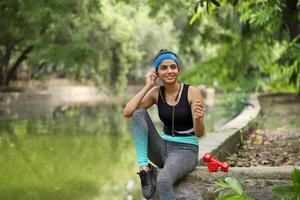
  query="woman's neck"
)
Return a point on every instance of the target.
[{"x": 172, "y": 88}]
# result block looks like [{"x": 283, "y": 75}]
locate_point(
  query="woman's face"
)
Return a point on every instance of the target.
[{"x": 168, "y": 71}]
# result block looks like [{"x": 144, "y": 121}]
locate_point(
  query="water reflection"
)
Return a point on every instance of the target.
[
  {"x": 75, "y": 153},
  {"x": 84, "y": 153}
]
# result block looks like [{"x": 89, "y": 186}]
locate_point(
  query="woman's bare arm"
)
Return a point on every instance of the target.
[
  {"x": 197, "y": 106},
  {"x": 145, "y": 98}
]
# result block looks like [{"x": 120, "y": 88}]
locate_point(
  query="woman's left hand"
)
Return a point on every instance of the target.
[{"x": 198, "y": 109}]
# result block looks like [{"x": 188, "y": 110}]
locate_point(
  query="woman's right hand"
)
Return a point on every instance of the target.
[{"x": 151, "y": 78}]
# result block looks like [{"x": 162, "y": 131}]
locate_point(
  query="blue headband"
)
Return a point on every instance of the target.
[{"x": 163, "y": 57}]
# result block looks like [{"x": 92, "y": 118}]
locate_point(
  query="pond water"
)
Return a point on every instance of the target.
[{"x": 75, "y": 153}]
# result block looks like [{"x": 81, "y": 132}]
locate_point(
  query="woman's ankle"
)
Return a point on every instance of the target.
[{"x": 146, "y": 168}]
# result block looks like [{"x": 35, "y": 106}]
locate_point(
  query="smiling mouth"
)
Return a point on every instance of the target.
[{"x": 170, "y": 77}]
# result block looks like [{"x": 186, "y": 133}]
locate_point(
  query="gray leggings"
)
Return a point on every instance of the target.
[{"x": 176, "y": 159}]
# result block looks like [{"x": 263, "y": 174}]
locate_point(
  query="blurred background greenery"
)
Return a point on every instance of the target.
[
  {"x": 251, "y": 45},
  {"x": 233, "y": 46}
]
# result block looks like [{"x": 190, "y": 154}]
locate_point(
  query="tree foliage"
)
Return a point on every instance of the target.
[
  {"x": 257, "y": 42},
  {"x": 252, "y": 45},
  {"x": 44, "y": 31},
  {"x": 245, "y": 44},
  {"x": 87, "y": 40}
]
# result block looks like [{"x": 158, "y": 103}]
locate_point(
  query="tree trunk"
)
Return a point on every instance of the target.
[
  {"x": 116, "y": 64},
  {"x": 2, "y": 76},
  {"x": 37, "y": 72},
  {"x": 14, "y": 68},
  {"x": 4, "y": 63},
  {"x": 290, "y": 16}
]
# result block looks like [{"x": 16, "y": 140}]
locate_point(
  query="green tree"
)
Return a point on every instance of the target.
[
  {"x": 43, "y": 31},
  {"x": 278, "y": 22},
  {"x": 253, "y": 42},
  {"x": 85, "y": 40}
]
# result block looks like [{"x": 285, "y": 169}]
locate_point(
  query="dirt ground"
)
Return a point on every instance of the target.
[{"x": 276, "y": 142}]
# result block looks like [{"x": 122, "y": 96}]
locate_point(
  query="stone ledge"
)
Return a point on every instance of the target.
[
  {"x": 241, "y": 173},
  {"x": 257, "y": 182}
]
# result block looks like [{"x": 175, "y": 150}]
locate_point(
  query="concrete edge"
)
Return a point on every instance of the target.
[{"x": 243, "y": 173}]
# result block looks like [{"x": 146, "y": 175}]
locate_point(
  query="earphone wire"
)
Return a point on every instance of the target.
[{"x": 160, "y": 93}]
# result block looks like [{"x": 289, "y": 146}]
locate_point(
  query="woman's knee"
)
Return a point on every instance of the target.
[{"x": 138, "y": 113}]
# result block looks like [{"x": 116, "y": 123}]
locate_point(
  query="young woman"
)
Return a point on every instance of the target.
[{"x": 181, "y": 109}]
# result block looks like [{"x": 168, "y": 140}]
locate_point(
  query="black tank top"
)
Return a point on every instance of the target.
[{"x": 183, "y": 120}]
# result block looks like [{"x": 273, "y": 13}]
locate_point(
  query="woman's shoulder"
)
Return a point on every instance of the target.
[
  {"x": 193, "y": 88},
  {"x": 154, "y": 89},
  {"x": 194, "y": 92},
  {"x": 154, "y": 92},
  {"x": 190, "y": 87}
]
